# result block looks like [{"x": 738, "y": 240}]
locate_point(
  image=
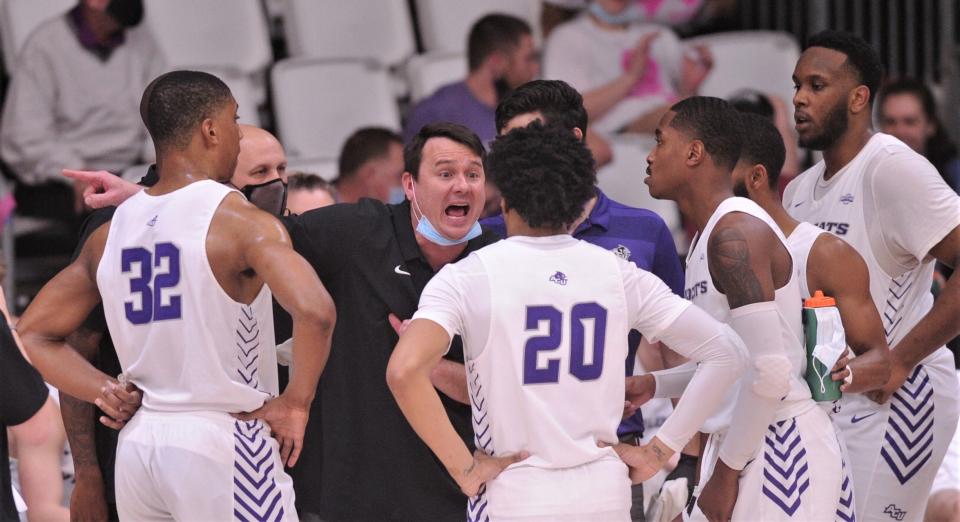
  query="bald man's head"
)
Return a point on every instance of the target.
[{"x": 261, "y": 158}]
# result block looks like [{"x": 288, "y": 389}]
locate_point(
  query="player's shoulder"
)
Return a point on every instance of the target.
[{"x": 240, "y": 218}]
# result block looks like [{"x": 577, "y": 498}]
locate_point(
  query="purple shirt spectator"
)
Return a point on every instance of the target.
[
  {"x": 454, "y": 103},
  {"x": 636, "y": 234}
]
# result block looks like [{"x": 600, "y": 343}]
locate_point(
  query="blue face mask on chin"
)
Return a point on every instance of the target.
[
  {"x": 627, "y": 16},
  {"x": 426, "y": 229}
]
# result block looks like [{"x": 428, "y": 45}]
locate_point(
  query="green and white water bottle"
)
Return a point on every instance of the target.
[{"x": 825, "y": 343}]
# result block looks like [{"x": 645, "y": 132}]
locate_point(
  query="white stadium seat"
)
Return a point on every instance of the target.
[
  {"x": 429, "y": 71},
  {"x": 18, "y": 18},
  {"x": 379, "y": 30},
  {"x": 318, "y": 103},
  {"x": 761, "y": 60},
  {"x": 445, "y": 24},
  {"x": 207, "y": 35}
]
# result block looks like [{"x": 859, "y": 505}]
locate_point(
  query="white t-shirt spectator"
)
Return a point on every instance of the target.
[{"x": 587, "y": 57}]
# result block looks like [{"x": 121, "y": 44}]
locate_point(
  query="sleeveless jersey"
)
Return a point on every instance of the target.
[
  {"x": 800, "y": 242},
  {"x": 178, "y": 335},
  {"x": 902, "y": 295},
  {"x": 545, "y": 323},
  {"x": 702, "y": 292}
]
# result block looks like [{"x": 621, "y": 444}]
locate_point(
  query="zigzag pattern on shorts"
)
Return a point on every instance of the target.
[
  {"x": 248, "y": 342},
  {"x": 785, "y": 466},
  {"x": 255, "y": 492},
  {"x": 908, "y": 442},
  {"x": 483, "y": 438},
  {"x": 845, "y": 511}
]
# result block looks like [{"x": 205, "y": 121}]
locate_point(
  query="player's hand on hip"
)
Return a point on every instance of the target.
[
  {"x": 102, "y": 189},
  {"x": 287, "y": 423},
  {"x": 640, "y": 389},
  {"x": 719, "y": 496},
  {"x": 119, "y": 401},
  {"x": 898, "y": 375},
  {"x": 485, "y": 468},
  {"x": 88, "y": 502},
  {"x": 643, "y": 461}
]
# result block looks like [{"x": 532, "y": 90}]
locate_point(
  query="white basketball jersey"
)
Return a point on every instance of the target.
[
  {"x": 902, "y": 295},
  {"x": 545, "y": 323},
  {"x": 178, "y": 336},
  {"x": 800, "y": 243},
  {"x": 702, "y": 292}
]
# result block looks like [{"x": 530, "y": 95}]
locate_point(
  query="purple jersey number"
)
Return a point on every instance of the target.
[
  {"x": 579, "y": 367},
  {"x": 150, "y": 287}
]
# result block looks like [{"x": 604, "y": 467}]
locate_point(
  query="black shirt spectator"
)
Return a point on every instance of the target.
[
  {"x": 22, "y": 394},
  {"x": 361, "y": 459}
]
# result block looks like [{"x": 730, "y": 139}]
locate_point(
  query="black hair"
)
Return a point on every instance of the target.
[
  {"x": 714, "y": 122},
  {"x": 939, "y": 148},
  {"x": 306, "y": 181},
  {"x": 175, "y": 103},
  {"x": 544, "y": 173},
  {"x": 752, "y": 101},
  {"x": 363, "y": 145},
  {"x": 492, "y": 33},
  {"x": 558, "y": 102},
  {"x": 862, "y": 58},
  {"x": 413, "y": 152},
  {"x": 762, "y": 144}
]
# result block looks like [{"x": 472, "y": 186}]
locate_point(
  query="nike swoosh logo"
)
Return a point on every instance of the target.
[
  {"x": 798, "y": 204},
  {"x": 399, "y": 271},
  {"x": 856, "y": 419}
]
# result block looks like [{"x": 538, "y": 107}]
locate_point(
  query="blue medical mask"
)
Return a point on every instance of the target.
[
  {"x": 627, "y": 16},
  {"x": 426, "y": 229},
  {"x": 396, "y": 195}
]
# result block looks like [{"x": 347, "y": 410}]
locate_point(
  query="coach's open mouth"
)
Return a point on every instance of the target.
[{"x": 457, "y": 210}]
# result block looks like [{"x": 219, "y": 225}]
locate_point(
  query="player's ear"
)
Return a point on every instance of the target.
[
  {"x": 758, "y": 176},
  {"x": 859, "y": 99},
  {"x": 695, "y": 153},
  {"x": 208, "y": 129}
]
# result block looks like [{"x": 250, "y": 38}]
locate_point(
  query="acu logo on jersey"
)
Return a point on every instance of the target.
[
  {"x": 846, "y": 199},
  {"x": 894, "y": 512},
  {"x": 622, "y": 252},
  {"x": 559, "y": 277}
]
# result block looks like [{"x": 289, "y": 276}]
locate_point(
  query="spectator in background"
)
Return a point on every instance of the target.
[
  {"x": 371, "y": 163},
  {"x": 909, "y": 112},
  {"x": 629, "y": 72},
  {"x": 73, "y": 102},
  {"x": 501, "y": 56},
  {"x": 685, "y": 16},
  {"x": 306, "y": 192}
]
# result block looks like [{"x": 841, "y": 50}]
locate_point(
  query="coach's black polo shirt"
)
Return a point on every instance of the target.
[{"x": 361, "y": 459}]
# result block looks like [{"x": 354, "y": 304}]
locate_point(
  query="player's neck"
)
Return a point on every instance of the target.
[
  {"x": 770, "y": 203},
  {"x": 846, "y": 148},
  {"x": 176, "y": 172},
  {"x": 703, "y": 201}
]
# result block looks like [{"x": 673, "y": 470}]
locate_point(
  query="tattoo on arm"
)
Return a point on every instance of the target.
[
  {"x": 730, "y": 267},
  {"x": 78, "y": 420},
  {"x": 661, "y": 456}
]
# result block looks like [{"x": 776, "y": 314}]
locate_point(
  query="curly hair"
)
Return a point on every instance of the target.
[
  {"x": 558, "y": 102},
  {"x": 544, "y": 174}
]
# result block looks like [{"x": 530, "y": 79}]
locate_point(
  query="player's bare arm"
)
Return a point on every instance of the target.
[
  {"x": 88, "y": 500},
  {"x": 936, "y": 328},
  {"x": 59, "y": 309},
  {"x": 263, "y": 246},
  {"x": 742, "y": 260},
  {"x": 420, "y": 348},
  {"x": 449, "y": 377},
  {"x": 837, "y": 269}
]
